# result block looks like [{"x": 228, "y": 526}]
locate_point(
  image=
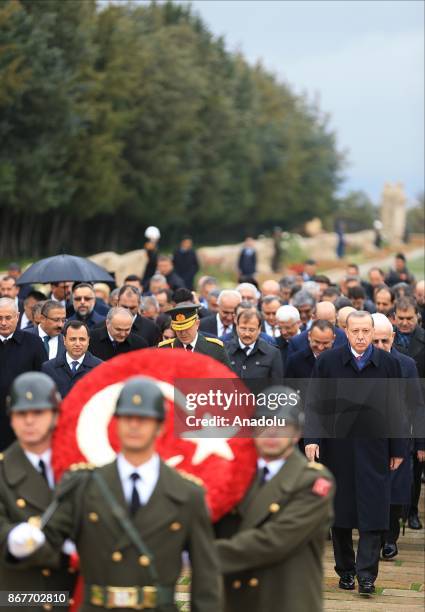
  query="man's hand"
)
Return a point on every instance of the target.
[
  {"x": 312, "y": 451},
  {"x": 421, "y": 455},
  {"x": 395, "y": 463},
  {"x": 24, "y": 539}
]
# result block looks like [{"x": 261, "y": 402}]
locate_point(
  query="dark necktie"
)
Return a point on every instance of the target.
[
  {"x": 74, "y": 366},
  {"x": 246, "y": 350},
  {"x": 114, "y": 344},
  {"x": 42, "y": 468},
  {"x": 189, "y": 347},
  {"x": 263, "y": 475},
  {"x": 46, "y": 344},
  {"x": 135, "y": 499}
]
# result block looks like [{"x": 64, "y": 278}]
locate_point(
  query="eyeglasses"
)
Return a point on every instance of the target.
[
  {"x": 83, "y": 298},
  {"x": 248, "y": 330}
]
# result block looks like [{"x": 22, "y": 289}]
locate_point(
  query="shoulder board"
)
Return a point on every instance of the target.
[
  {"x": 168, "y": 342},
  {"x": 215, "y": 340},
  {"x": 191, "y": 478},
  {"x": 315, "y": 466},
  {"x": 76, "y": 467},
  {"x": 1, "y": 456}
]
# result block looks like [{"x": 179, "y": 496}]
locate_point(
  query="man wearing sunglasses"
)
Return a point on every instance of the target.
[{"x": 84, "y": 300}]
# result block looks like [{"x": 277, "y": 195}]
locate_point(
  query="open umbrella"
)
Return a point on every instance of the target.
[{"x": 64, "y": 268}]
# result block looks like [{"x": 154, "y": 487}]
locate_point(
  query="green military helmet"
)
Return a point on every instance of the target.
[
  {"x": 142, "y": 397},
  {"x": 33, "y": 391},
  {"x": 283, "y": 402}
]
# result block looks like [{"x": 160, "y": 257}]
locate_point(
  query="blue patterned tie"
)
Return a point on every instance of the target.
[
  {"x": 46, "y": 344},
  {"x": 74, "y": 366}
]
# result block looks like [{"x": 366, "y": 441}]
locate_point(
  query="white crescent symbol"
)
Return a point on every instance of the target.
[{"x": 92, "y": 426}]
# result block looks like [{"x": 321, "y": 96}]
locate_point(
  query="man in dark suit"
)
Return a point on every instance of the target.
[
  {"x": 129, "y": 298},
  {"x": 400, "y": 273},
  {"x": 288, "y": 320},
  {"x": 325, "y": 311},
  {"x": 116, "y": 338},
  {"x": 185, "y": 323},
  {"x": 186, "y": 262},
  {"x": 347, "y": 404},
  {"x": 222, "y": 323},
  {"x": 53, "y": 318},
  {"x": 19, "y": 352},
  {"x": 83, "y": 301},
  {"x": 26, "y": 317},
  {"x": 383, "y": 338},
  {"x": 321, "y": 338},
  {"x": 250, "y": 356},
  {"x": 66, "y": 370},
  {"x": 410, "y": 340},
  {"x": 247, "y": 262}
]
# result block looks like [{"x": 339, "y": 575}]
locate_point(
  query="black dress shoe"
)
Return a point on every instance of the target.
[
  {"x": 389, "y": 550},
  {"x": 414, "y": 522},
  {"x": 346, "y": 582},
  {"x": 366, "y": 587}
]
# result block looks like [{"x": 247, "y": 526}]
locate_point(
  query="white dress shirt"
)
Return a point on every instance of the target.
[
  {"x": 70, "y": 360},
  {"x": 4, "y": 338},
  {"x": 24, "y": 321},
  {"x": 148, "y": 472},
  {"x": 274, "y": 332},
  {"x": 220, "y": 327},
  {"x": 272, "y": 466},
  {"x": 53, "y": 343},
  {"x": 47, "y": 459}
]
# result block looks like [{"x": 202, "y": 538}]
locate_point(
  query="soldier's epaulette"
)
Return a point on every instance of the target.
[
  {"x": 315, "y": 466},
  {"x": 215, "y": 340},
  {"x": 1, "y": 456},
  {"x": 166, "y": 342},
  {"x": 191, "y": 477},
  {"x": 76, "y": 467}
]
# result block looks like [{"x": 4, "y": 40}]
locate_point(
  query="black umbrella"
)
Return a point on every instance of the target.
[{"x": 62, "y": 268}]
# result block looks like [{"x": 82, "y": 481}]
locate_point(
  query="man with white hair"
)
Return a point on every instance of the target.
[
  {"x": 249, "y": 293},
  {"x": 223, "y": 322},
  {"x": 19, "y": 352},
  {"x": 383, "y": 338},
  {"x": 289, "y": 321},
  {"x": 116, "y": 338},
  {"x": 323, "y": 311}
]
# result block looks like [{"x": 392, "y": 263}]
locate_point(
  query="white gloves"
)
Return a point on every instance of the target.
[
  {"x": 24, "y": 539},
  {"x": 68, "y": 547}
]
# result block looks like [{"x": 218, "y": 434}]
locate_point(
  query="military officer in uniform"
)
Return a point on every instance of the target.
[
  {"x": 133, "y": 518},
  {"x": 185, "y": 322},
  {"x": 271, "y": 546},
  {"x": 26, "y": 486}
]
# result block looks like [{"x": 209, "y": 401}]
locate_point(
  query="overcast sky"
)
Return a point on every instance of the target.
[{"x": 363, "y": 59}]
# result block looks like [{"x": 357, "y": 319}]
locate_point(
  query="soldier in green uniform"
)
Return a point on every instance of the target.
[
  {"x": 185, "y": 323},
  {"x": 26, "y": 486},
  {"x": 132, "y": 519},
  {"x": 271, "y": 546}
]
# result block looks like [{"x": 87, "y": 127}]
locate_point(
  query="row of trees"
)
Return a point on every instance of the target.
[{"x": 116, "y": 117}]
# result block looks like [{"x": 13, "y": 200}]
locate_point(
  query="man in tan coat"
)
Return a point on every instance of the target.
[{"x": 271, "y": 546}]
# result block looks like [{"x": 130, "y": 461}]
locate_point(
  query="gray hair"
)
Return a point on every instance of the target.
[
  {"x": 118, "y": 310},
  {"x": 268, "y": 299},
  {"x": 303, "y": 297},
  {"x": 229, "y": 293},
  {"x": 149, "y": 300},
  {"x": 287, "y": 313},
  {"x": 51, "y": 305},
  {"x": 158, "y": 277},
  {"x": 9, "y": 303},
  {"x": 360, "y": 314},
  {"x": 250, "y": 287}
]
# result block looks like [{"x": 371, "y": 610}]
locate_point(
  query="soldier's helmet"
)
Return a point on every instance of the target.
[
  {"x": 142, "y": 397},
  {"x": 33, "y": 391},
  {"x": 283, "y": 402}
]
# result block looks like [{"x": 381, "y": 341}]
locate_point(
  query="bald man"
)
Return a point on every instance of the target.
[
  {"x": 341, "y": 319},
  {"x": 401, "y": 479},
  {"x": 270, "y": 287},
  {"x": 324, "y": 311}
]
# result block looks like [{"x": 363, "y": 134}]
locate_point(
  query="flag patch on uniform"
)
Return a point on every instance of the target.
[{"x": 322, "y": 487}]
